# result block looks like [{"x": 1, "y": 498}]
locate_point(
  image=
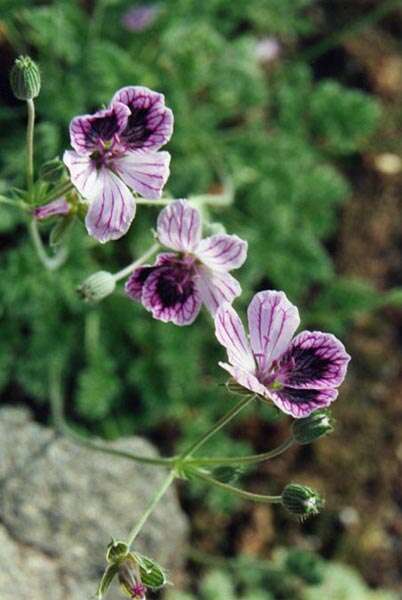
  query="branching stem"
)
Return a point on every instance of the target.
[
  {"x": 51, "y": 263},
  {"x": 56, "y": 403},
  {"x": 237, "y": 491},
  {"x": 137, "y": 263},
  {"x": 243, "y": 460},
  {"x": 245, "y": 401},
  {"x": 160, "y": 492}
]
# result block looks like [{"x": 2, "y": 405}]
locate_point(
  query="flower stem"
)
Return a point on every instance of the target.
[
  {"x": 30, "y": 148},
  {"x": 51, "y": 263},
  {"x": 221, "y": 200},
  {"x": 243, "y": 460},
  {"x": 237, "y": 491},
  {"x": 16, "y": 203},
  {"x": 56, "y": 405},
  {"x": 137, "y": 263},
  {"x": 221, "y": 423},
  {"x": 160, "y": 492}
]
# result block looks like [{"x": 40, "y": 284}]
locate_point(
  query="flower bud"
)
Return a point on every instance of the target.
[
  {"x": 301, "y": 501},
  {"x": 56, "y": 207},
  {"x": 97, "y": 286},
  {"x": 316, "y": 425},
  {"x": 25, "y": 78},
  {"x": 130, "y": 578}
]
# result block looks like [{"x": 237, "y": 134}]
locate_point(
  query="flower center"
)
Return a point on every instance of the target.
[
  {"x": 274, "y": 378},
  {"x": 138, "y": 592},
  {"x": 175, "y": 285}
]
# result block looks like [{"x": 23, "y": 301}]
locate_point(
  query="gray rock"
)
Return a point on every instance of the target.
[{"x": 60, "y": 504}]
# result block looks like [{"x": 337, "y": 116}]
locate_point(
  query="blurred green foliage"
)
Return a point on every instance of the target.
[
  {"x": 291, "y": 575},
  {"x": 275, "y": 130}
]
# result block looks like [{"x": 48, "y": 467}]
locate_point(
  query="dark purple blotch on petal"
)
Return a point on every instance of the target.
[
  {"x": 314, "y": 360},
  {"x": 174, "y": 286},
  {"x": 167, "y": 289},
  {"x": 135, "y": 283},
  {"x": 302, "y": 402},
  {"x": 150, "y": 123}
]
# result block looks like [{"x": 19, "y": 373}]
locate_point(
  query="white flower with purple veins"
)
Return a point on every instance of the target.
[
  {"x": 299, "y": 375},
  {"x": 115, "y": 153},
  {"x": 197, "y": 273}
]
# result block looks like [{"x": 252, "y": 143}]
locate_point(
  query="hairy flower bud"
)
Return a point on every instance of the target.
[
  {"x": 301, "y": 501},
  {"x": 97, "y": 286},
  {"x": 25, "y": 78},
  {"x": 316, "y": 425}
]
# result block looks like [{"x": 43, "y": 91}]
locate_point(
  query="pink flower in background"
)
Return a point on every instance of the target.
[
  {"x": 197, "y": 273},
  {"x": 267, "y": 49},
  {"x": 299, "y": 375},
  {"x": 56, "y": 207},
  {"x": 115, "y": 153},
  {"x": 139, "y": 18}
]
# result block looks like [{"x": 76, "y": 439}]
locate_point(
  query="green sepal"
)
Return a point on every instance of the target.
[
  {"x": 236, "y": 388},
  {"x": 116, "y": 551},
  {"x": 60, "y": 231},
  {"x": 50, "y": 171},
  {"x": 107, "y": 578},
  {"x": 153, "y": 575}
]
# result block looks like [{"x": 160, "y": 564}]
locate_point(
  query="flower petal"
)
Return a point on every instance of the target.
[
  {"x": 150, "y": 124},
  {"x": 111, "y": 213},
  {"x": 314, "y": 360},
  {"x": 230, "y": 333},
  {"x": 83, "y": 174},
  {"x": 222, "y": 252},
  {"x": 272, "y": 322},
  {"x": 168, "y": 298},
  {"x": 245, "y": 379},
  {"x": 179, "y": 226},
  {"x": 301, "y": 403},
  {"x": 140, "y": 18},
  {"x": 90, "y": 132},
  {"x": 216, "y": 288},
  {"x": 144, "y": 172}
]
